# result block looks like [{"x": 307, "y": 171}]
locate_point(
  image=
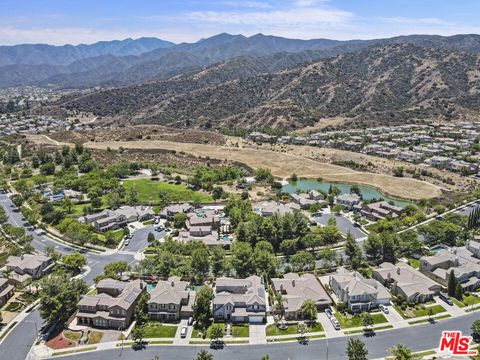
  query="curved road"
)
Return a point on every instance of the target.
[{"x": 17, "y": 343}]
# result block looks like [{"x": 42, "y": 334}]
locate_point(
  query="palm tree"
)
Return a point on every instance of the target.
[
  {"x": 309, "y": 310},
  {"x": 279, "y": 305},
  {"x": 401, "y": 352},
  {"x": 204, "y": 355}
]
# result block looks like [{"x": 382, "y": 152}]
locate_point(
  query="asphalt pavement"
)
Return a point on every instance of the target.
[{"x": 417, "y": 338}]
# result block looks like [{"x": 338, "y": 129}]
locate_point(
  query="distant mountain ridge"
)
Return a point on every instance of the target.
[
  {"x": 393, "y": 83},
  {"x": 119, "y": 63}
]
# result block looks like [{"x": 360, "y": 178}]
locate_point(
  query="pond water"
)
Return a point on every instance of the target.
[{"x": 368, "y": 192}]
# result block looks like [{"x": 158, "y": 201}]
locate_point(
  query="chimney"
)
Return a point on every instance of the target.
[
  {"x": 293, "y": 282},
  {"x": 141, "y": 285},
  {"x": 398, "y": 270}
]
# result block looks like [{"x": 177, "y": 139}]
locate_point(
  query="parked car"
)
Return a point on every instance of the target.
[
  {"x": 383, "y": 308},
  {"x": 329, "y": 313},
  {"x": 446, "y": 298},
  {"x": 190, "y": 321},
  {"x": 127, "y": 241},
  {"x": 335, "y": 323},
  {"x": 183, "y": 332},
  {"x": 157, "y": 221}
]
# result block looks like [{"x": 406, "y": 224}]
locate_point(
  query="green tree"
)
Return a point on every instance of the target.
[
  {"x": 59, "y": 295},
  {"x": 141, "y": 310},
  {"x": 200, "y": 263},
  {"x": 303, "y": 261},
  {"x": 241, "y": 259},
  {"x": 202, "y": 311},
  {"x": 353, "y": 251},
  {"x": 204, "y": 355},
  {"x": 373, "y": 247},
  {"x": 215, "y": 332},
  {"x": 132, "y": 196},
  {"x": 401, "y": 352},
  {"x": 356, "y": 349},
  {"x": 217, "y": 261},
  {"x": 138, "y": 333},
  {"x": 179, "y": 220},
  {"x": 476, "y": 329},
  {"x": 150, "y": 237},
  {"x": 74, "y": 262},
  {"x": 452, "y": 283},
  {"x": 367, "y": 320},
  {"x": 309, "y": 310}
]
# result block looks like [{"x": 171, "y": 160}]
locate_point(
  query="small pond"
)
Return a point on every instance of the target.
[{"x": 368, "y": 192}]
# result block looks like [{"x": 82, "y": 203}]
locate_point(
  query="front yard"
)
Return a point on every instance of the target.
[
  {"x": 273, "y": 330},
  {"x": 238, "y": 331},
  {"x": 467, "y": 301},
  {"x": 351, "y": 321},
  {"x": 158, "y": 330},
  {"x": 419, "y": 310}
]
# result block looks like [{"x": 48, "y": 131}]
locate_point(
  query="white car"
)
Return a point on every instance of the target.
[
  {"x": 127, "y": 241},
  {"x": 383, "y": 308},
  {"x": 183, "y": 332},
  {"x": 329, "y": 313}
]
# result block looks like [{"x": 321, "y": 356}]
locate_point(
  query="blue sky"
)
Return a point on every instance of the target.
[{"x": 86, "y": 21}]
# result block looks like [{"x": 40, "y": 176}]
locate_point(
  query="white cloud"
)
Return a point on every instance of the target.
[
  {"x": 298, "y": 16},
  {"x": 248, "y": 4}
]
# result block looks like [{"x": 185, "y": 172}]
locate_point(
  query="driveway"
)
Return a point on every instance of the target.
[
  {"x": 344, "y": 225},
  {"x": 178, "y": 340},
  {"x": 394, "y": 318},
  {"x": 258, "y": 334}
]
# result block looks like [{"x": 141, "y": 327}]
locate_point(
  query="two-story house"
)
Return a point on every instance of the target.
[
  {"x": 6, "y": 291},
  {"x": 407, "y": 282},
  {"x": 171, "y": 300},
  {"x": 28, "y": 266},
  {"x": 240, "y": 300},
  {"x": 357, "y": 292},
  {"x": 113, "y": 307},
  {"x": 295, "y": 290}
]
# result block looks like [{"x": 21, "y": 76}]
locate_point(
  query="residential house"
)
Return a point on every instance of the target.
[
  {"x": 357, "y": 292},
  {"x": 347, "y": 200},
  {"x": 28, "y": 266},
  {"x": 405, "y": 281},
  {"x": 380, "y": 210},
  {"x": 171, "y": 300},
  {"x": 240, "y": 300},
  {"x": 170, "y": 211},
  {"x": 113, "y": 307},
  {"x": 271, "y": 207},
  {"x": 460, "y": 260},
  {"x": 295, "y": 289},
  {"x": 114, "y": 219},
  {"x": 6, "y": 291}
]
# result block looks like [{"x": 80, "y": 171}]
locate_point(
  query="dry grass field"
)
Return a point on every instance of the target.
[{"x": 284, "y": 164}]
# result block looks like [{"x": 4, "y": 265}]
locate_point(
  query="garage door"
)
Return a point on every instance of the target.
[{"x": 255, "y": 319}]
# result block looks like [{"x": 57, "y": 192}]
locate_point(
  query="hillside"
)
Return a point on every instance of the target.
[
  {"x": 120, "y": 63},
  {"x": 388, "y": 84}
]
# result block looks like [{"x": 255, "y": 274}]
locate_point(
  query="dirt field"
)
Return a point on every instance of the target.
[{"x": 284, "y": 164}]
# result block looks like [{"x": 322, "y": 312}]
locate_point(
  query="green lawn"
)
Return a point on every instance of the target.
[
  {"x": 350, "y": 321},
  {"x": 424, "y": 312},
  {"x": 240, "y": 330},
  {"x": 273, "y": 330},
  {"x": 411, "y": 313},
  {"x": 149, "y": 192},
  {"x": 13, "y": 306},
  {"x": 415, "y": 263},
  {"x": 157, "y": 330}
]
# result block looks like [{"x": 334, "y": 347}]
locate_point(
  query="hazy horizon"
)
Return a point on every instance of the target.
[{"x": 75, "y": 22}]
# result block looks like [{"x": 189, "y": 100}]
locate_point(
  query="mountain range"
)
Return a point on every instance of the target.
[
  {"x": 125, "y": 62},
  {"x": 388, "y": 83}
]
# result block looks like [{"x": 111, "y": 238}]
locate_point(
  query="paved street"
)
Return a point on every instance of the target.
[
  {"x": 18, "y": 342},
  {"x": 417, "y": 338}
]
